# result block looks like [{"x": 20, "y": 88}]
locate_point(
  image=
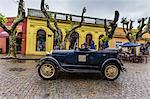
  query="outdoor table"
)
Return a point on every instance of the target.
[
  {"x": 136, "y": 58},
  {"x": 145, "y": 56},
  {"x": 139, "y": 58}
]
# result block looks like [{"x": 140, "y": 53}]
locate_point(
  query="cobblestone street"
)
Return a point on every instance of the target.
[{"x": 21, "y": 80}]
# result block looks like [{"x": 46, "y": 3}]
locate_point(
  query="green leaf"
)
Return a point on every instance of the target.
[
  {"x": 3, "y": 19},
  {"x": 105, "y": 38}
]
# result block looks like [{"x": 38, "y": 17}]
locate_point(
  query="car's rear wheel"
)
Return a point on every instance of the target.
[
  {"x": 47, "y": 71},
  {"x": 111, "y": 71}
]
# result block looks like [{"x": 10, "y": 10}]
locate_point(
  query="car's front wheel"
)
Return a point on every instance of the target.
[
  {"x": 111, "y": 71},
  {"x": 47, "y": 71}
]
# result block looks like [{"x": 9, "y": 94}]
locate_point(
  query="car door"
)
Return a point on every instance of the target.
[
  {"x": 70, "y": 58},
  {"x": 86, "y": 58},
  {"x": 81, "y": 57}
]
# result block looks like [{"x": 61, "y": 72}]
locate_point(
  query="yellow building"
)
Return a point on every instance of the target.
[{"x": 37, "y": 30}]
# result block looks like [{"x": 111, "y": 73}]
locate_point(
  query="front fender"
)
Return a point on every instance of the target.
[
  {"x": 50, "y": 59},
  {"x": 114, "y": 60}
]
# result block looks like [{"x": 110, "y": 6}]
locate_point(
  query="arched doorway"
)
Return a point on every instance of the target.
[
  {"x": 74, "y": 40},
  {"x": 19, "y": 42},
  {"x": 41, "y": 40}
]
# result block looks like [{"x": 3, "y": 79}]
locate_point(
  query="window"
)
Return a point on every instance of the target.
[
  {"x": 61, "y": 16},
  {"x": 89, "y": 20},
  {"x": 19, "y": 42},
  {"x": 75, "y": 18},
  {"x": 74, "y": 40},
  {"x": 41, "y": 40}
]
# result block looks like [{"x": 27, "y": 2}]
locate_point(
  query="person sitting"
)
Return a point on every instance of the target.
[
  {"x": 90, "y": 43},
  {"x": 84, "y": 47}
]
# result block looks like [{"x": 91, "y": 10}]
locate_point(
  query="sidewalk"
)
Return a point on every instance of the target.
[{"x": 20, "y": 57}]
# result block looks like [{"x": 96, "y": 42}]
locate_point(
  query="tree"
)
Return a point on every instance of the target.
[
  {"x": 109, "y": 31},
  {"x": 73, "y": 28},
  {"x": 57, "y": 31},
  {"x": 12, "y": 30},
  {"x": 135, "y": 35}
]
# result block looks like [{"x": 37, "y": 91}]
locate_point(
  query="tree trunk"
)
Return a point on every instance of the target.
[
  {"x": 63, "y": 45},
  {"x": 66, "y": 39},
  {"x": 11, "y": 31},
  {"x": 12, "y": 46}
]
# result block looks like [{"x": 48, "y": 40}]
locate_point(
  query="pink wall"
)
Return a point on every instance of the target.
[{"x": 3, "y": 44}]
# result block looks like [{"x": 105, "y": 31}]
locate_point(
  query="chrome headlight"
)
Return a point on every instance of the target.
[{"x": 49, "y": 53}]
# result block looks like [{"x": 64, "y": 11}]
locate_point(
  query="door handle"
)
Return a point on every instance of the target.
[{"x": 87, "y": 54}]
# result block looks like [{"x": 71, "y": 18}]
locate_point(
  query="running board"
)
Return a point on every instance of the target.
[
  {"x": 81, "y": 71},
  {"x": 80, "y": 66}
]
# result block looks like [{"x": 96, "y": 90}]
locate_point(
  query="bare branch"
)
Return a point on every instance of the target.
[
  {"x": 116, "y": 18},
  {"x": 127, "y": 25},
  {"x": 82, "y": 19},
  {"x": 15, "y": 24},
  {"x": 141, "y": 34},
  {"x": 21, "y": 15},
  {"x": 106, "y": 27},
  {"x": 129, "y": 36},
  {"x": 21, "y": 11},
  {"x": 56, "y": 25},
  {"x": 146, "y": 29},
  {"x": 112, "y": 31},
  {"x": 140, "y": 28},
  {"x": 113, "y": 25},
  {"x": 4, "y": 28},
  {"x": 125, "y": 31},
  {"x": 131, "y": 25},
  {"x": 124, "y": 21},
  {"x": 58, "y": 29},
  {"x": 142, "y": 25},
  {"x": 47, "y": 16},
  {"x": 128, "y": 29}
]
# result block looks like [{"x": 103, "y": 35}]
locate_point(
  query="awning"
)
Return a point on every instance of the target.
[
  {"x": 130, "y": 44},
  {"x": 4, "y": 34}
]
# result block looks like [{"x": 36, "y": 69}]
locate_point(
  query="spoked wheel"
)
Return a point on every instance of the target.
[
  {"x": 111, "y": 71},
  {"x": 47, "y": 71}
]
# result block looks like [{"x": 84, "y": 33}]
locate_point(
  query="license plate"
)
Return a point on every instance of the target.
[{"x": 82, "y": 58}]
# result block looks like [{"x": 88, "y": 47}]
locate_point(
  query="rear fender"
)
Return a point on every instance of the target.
[{"x": 113, "y": 60}]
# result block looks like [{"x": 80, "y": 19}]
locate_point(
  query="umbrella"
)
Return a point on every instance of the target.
[
  {"x": 4, "y": 34},
  {"x": 130, "y": 44}
]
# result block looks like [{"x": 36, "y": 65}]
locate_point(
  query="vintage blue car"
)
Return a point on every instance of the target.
[{"x": 106, "y": 62}]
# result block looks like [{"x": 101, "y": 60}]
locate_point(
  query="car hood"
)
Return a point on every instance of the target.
[{"x": 62, "y": 51}]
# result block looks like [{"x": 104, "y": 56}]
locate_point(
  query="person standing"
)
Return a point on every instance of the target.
[{"x": 142, "y": 49}]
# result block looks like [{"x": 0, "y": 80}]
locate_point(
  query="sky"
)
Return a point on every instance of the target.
[{"x": 132, "y": 9}]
